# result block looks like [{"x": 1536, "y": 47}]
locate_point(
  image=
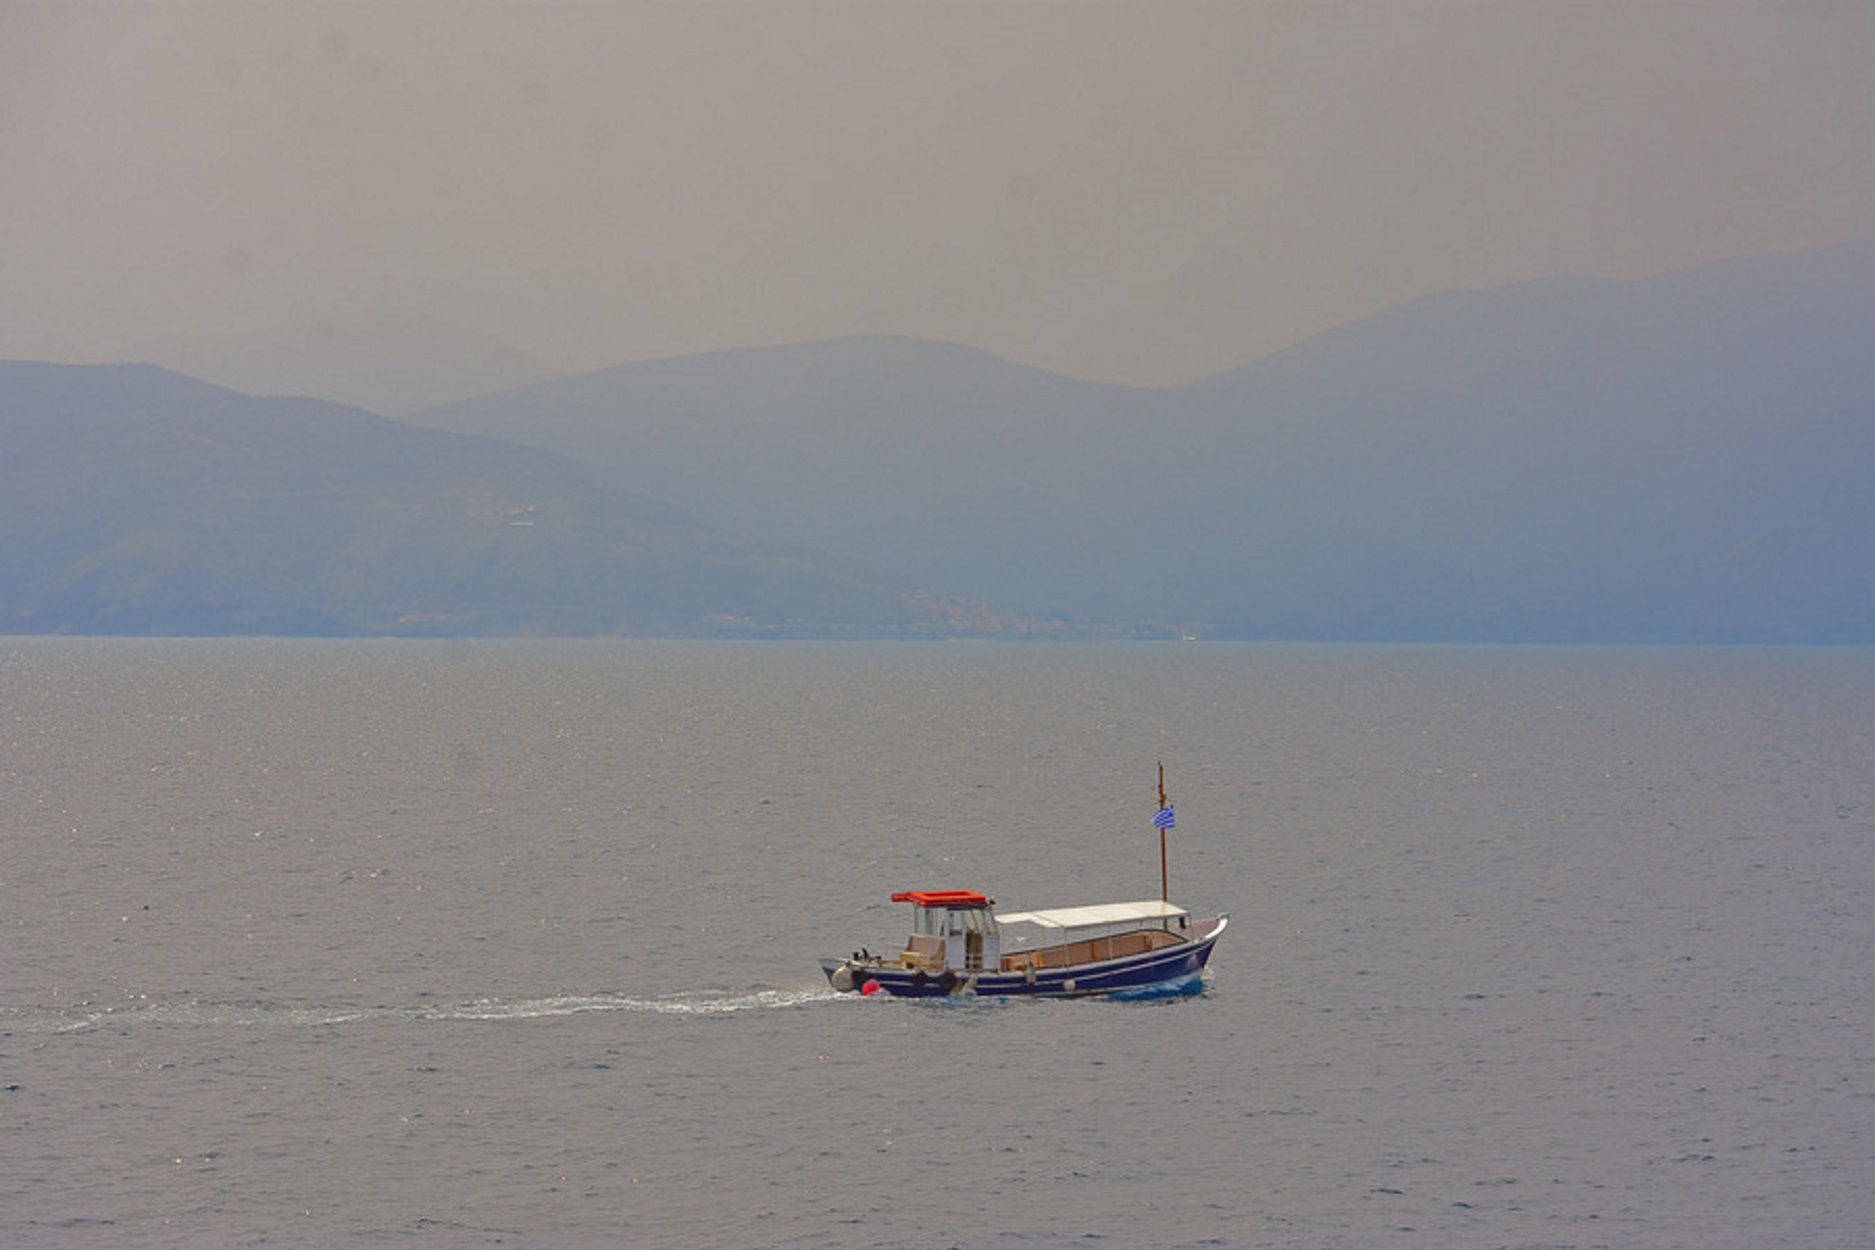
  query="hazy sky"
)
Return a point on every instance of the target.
[{"x": 377, "y": 200}]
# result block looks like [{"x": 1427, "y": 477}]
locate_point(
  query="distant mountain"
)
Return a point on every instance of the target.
[
  {"x": 138, "y": 501},
  {"x": 971, "y": 470},
  {"x": 1684, "y": 458},
  {"x": 1678, "y": 459}
]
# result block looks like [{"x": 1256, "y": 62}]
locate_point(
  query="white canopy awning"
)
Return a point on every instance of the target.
[{"x": 1098, "y": 914}]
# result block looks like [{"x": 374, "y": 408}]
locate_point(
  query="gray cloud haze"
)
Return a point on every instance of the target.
[{"x": 394, "y": 203}]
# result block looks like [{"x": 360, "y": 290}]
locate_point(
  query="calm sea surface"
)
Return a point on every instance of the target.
[{"x": 464, "y": 943}]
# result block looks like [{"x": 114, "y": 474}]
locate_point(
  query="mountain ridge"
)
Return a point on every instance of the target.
[
  {"x": 1675, "y": 459},
  {"x": 1567, "y": 459}
]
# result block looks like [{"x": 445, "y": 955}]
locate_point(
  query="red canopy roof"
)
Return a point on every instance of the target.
[{"x": 941, "y": 898}]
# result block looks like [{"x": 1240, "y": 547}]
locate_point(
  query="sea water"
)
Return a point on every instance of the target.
[{"x": 486, "y": 943}]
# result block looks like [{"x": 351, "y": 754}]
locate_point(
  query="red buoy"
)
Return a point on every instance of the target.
[{"x": 871, "y": 987}]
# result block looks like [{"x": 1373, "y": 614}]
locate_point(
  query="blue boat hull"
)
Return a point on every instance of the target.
[{"x": 1133, "y": 972}]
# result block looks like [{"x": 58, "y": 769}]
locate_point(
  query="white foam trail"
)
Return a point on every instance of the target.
[
  {"x": 688, "y": 1004},
  {"x": 86, "y": 1017}
]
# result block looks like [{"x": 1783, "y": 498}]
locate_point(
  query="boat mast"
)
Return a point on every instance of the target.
[{"x": 1165, "y": 885}]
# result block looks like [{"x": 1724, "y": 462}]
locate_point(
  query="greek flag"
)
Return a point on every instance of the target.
[{"x": 1162, "y": 819}]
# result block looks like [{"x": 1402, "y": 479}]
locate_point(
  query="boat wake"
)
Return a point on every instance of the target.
[
  {"x": 1187, "y": 986},
  {"x": 86, "y": 1017},
  {"x": 695, "y": 1003}
]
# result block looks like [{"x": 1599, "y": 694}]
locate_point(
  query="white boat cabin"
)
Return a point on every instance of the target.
[{"x": 951, "y": 929}]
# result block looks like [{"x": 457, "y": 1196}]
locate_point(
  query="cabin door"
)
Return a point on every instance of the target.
[{"x": 956, "y": 940}]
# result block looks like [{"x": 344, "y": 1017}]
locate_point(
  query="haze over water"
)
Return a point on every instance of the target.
[{"x": 348, "y": 944}]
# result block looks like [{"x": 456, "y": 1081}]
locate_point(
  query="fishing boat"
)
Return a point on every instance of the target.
[{"x": 960, "y": 945}]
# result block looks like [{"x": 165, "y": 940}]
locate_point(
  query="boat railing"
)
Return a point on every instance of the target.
[{"x": 1091, "y": 949}]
